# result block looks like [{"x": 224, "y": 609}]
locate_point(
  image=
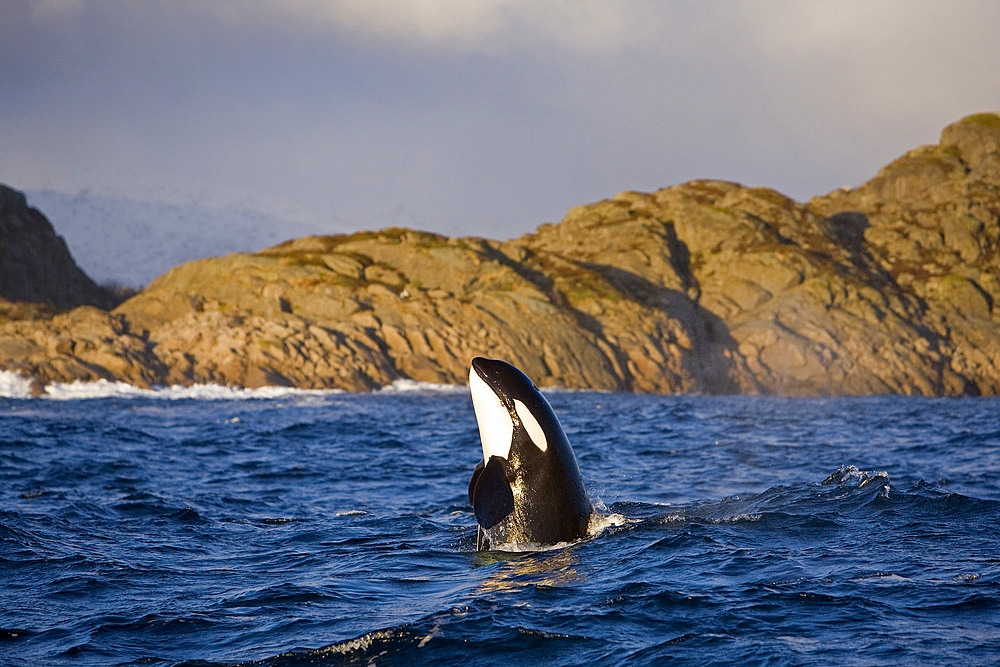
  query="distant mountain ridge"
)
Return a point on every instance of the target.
[
  {"x": 123, "y": 241},
  {"x": 706, "y": 286}
]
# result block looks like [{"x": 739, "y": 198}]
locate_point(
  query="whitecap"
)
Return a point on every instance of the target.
[
  {"x": 739, "y": 518},
  {"x": 14, "y": 385},
  {"x": 851, "y": 474},
  {"x": 220, "y": 392},
  {"x": 405, "y": 385},
  {"x": 559, "y": 389},
  {"x": 99, "y": 389}
]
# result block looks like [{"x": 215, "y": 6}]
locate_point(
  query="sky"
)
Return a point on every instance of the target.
[{"x": 475, "y": 117}]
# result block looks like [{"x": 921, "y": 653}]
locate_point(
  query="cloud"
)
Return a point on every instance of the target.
[
  {"x": 485, "y": 26},
  {"x": 898, "y": 53},
  {"x": 480, "y": 117}
]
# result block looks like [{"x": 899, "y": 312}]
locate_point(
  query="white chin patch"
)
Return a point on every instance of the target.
[
  {"x": 531, "y": 425},
  {"x": 496, "y": 429}
]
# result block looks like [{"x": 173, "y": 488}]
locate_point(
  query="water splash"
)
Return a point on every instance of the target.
[{"x": 14, "y": 385}]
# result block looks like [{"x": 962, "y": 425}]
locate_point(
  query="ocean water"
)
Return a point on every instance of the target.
[{"x": 209, "y": 526}]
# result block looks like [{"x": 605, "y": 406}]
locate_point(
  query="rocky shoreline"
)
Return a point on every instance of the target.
[{"x": 706, "y": 287}]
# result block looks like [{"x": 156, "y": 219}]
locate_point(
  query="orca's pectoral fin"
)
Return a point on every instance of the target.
[
  {"x": 492, "y": 498},
  {"x": 475, "y": 477}
]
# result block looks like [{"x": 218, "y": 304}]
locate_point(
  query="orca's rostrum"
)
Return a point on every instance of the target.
[{"x": 528, "y": 487}]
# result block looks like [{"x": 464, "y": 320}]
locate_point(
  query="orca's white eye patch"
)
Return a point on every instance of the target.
[
  {"x": 496, "y": 429},
  {"x": 531, "y": 425}
]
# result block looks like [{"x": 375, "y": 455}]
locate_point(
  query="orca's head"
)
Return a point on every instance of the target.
[
  {"x": 507, "y": 401},
  {"x": 528, "y": 486}
]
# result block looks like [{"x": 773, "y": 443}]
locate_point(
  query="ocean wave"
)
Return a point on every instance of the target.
[
  {"x": 601, "y": 521},
  {"x": 404, "y": 385},
  {"x": 853, "y": 476},
  {"x": 463, "y": 634},
  {"x": 13, "y": 385}
]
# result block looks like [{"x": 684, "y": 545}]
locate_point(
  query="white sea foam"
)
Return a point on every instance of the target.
[
  {"x": 99, "y": 389},
  {"x": 559, "y": 389},
  {"x": 739, "y": 518},
  {"x": 361, "y": 643},
  {"x": 404, "y": 386},
  {"x": 14, "y": 385}
]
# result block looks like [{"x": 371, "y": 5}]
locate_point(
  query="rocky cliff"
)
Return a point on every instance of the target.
[
  {"x": 706, "y": 286},
  {"x": 35, "y": 264}
]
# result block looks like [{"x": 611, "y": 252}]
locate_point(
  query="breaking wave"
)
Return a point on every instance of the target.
[
  {"x": 15, "y": 385},
  {"x": 404, "y": 385}
]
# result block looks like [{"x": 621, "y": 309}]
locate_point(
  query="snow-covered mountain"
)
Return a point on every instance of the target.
[{"x": 129, "y": 242}]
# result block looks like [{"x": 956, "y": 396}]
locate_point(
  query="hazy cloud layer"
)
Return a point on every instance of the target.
[{"x": 484, "y": 117}]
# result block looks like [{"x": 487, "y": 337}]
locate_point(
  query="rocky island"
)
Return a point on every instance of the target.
[{"x": 707, "y": 287}]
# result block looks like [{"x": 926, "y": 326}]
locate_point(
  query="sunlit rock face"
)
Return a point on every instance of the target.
[{"x": 707, "y": 286}]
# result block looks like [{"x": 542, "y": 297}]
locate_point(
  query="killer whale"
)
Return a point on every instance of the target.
[{"x": 528, "y": 487}]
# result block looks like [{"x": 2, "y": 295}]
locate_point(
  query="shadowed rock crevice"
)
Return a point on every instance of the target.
[
  {"x": 704, "y": 347},
  {"x": 680, "y": 259}
]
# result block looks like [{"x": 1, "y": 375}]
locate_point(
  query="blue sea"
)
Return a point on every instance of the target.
[{"x": 275, "y": 527}]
